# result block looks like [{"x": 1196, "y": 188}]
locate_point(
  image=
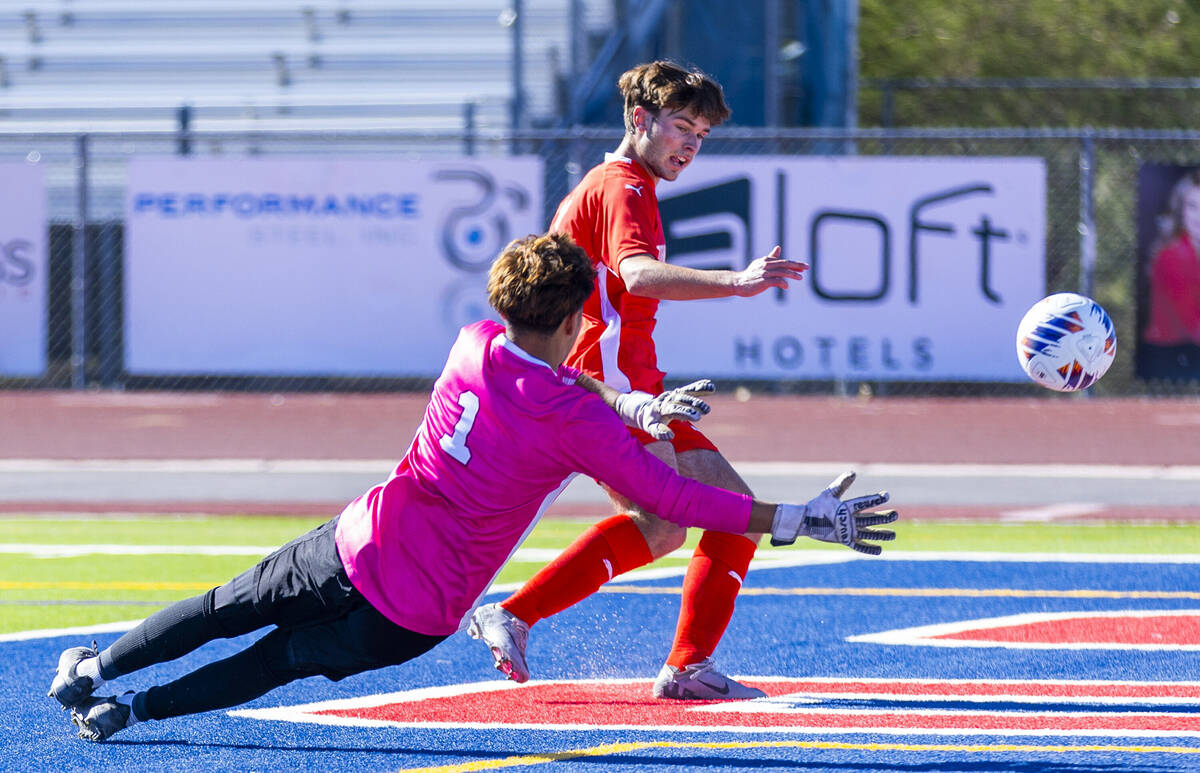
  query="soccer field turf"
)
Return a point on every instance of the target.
[
  {"x": 83, "y": 571},
  {"x": 839, "y": 641}
]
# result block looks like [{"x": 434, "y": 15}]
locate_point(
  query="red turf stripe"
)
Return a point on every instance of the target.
[
  {"x": 593, "y": 704},
  {"x": 1153, "y": 630}
]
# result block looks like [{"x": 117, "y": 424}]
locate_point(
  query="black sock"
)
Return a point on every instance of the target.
[
  {"x": 230, "y": 682},
  {"x": 165, "y": 635}
]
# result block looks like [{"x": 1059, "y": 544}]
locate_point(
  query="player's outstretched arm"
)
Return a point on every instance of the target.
[
  {"x": 651, "y": 278},
  {"x": 828, "y": 518},
  {"x": 769, "y": 271},
  {"x": 651, "y": 413}
]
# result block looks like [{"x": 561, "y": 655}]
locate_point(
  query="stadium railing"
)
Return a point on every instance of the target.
[{"x": 263, "y": 53}]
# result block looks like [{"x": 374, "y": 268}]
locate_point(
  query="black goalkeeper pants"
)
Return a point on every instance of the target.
[{"x": 323, "y": 626}]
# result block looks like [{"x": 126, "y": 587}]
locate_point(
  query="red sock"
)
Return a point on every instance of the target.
[
  {"x": 714, "y": 577},
  {"x": 613, "y": 546}
]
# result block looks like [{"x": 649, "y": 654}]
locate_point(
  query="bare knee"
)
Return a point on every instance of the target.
[{"x": 662, "y": 537}]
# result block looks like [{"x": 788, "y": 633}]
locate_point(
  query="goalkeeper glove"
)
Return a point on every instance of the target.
[
  {"x": 829, "y": 519},
  {"x": 651, "y": 413}
]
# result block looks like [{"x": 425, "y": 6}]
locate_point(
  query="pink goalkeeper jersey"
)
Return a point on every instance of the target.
[{"x": 501, "y": 437}]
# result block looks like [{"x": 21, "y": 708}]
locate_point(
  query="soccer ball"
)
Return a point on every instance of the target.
[{"x": 1066, "y": 342}]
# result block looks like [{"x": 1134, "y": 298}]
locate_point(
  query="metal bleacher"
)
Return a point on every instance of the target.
[{"x": 120, "y": 65}]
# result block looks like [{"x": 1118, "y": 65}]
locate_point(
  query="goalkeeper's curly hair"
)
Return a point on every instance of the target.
[
  {"x": 664, "y": 84},
  {"x": 538, "y": 281}
]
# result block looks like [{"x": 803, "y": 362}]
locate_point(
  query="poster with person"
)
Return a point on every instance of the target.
[{"x": 1168, "y": 228}]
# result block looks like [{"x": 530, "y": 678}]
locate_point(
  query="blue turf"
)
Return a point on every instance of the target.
[{"x": 622, "y": 635}]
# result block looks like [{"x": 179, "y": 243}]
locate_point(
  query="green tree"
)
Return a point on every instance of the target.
[{"x": 1005, "y": 39}]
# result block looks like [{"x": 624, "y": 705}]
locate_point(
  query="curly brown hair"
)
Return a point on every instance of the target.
[
  {"x": 537, "y": 281},
  {"x": 665, "y": 84}
]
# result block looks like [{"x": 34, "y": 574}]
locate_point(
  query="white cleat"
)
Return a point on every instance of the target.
[
  {"x": 701, "y": 682},
  {"x": 506, "y": 635}
]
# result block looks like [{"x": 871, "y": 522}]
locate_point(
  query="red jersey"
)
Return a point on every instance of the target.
[
  {"x": 613, "y": 215},
  {"x": 1174, "y": 295}
]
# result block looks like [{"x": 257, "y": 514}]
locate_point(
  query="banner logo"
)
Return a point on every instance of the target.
[
  {"x": 709, "y": 227},
  {"x": 476, "y": 229}
]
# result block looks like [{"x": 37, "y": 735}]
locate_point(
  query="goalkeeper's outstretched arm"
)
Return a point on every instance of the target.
[
  {"x": 828, "y": 518},
  {"x": 825, "y": 517}
]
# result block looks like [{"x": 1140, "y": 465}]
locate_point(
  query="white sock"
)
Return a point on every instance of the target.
[
  {"x": 90, "y": 667},
  {"x": 127, "y": 700}
]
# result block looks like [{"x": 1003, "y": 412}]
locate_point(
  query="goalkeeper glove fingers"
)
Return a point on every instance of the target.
[
  {"x": 829, "y": 519},
  {"x": 652, "y": 413}
]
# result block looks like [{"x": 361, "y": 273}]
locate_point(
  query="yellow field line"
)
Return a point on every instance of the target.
[
  {"x": 535, "y": 759},
  {"x": 83, "y": 585},
  {"x": 928, "y": 592},
  {"x": 619, "y": 748}
]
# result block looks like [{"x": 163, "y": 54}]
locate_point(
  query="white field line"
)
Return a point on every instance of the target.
[
  {"x": 384, "y": 466},
  {"x": 310, "y": 713},
  {"x": 799, "y": 558},
  {"x": 79, "y": 630},
  {"x": 817, "y": 728},
  {"x": 769, "y": 561},
  {"x": 774, "y": 704}
]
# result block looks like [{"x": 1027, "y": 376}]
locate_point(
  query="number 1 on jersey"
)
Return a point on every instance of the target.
[{"x": 456, "y": 444}]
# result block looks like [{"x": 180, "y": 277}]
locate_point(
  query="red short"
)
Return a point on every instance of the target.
[{"x": 687, "y": 437}]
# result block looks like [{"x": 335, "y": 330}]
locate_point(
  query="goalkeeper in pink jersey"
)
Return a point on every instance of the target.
[{"x": 403, "y": 566}]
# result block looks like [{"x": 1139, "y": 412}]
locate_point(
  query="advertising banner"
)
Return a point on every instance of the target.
[
  {"x": 340, "y": 266},
  {"x": 921, "y": 268},
  {"x": 24, "y": 232},
  {"x": 1168, "y": 233}
]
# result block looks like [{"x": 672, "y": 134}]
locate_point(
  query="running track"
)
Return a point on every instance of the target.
[{"x": 309, "y": 453}]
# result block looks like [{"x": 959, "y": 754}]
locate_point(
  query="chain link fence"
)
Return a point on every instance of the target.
[
  {"x": 1148, "y": 103},
  {"x": 1091, "y": 240}
]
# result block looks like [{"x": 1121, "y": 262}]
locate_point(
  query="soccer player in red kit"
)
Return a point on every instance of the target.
[{"x": 613, "y": 214}]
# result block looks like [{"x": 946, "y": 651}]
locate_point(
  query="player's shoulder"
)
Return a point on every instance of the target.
[
  {"x": 621, "y": 168},
  {"x": 470, "y": 352},
  {"x": 623, "y": 180},
  {"x": 481, "y": 331}
]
